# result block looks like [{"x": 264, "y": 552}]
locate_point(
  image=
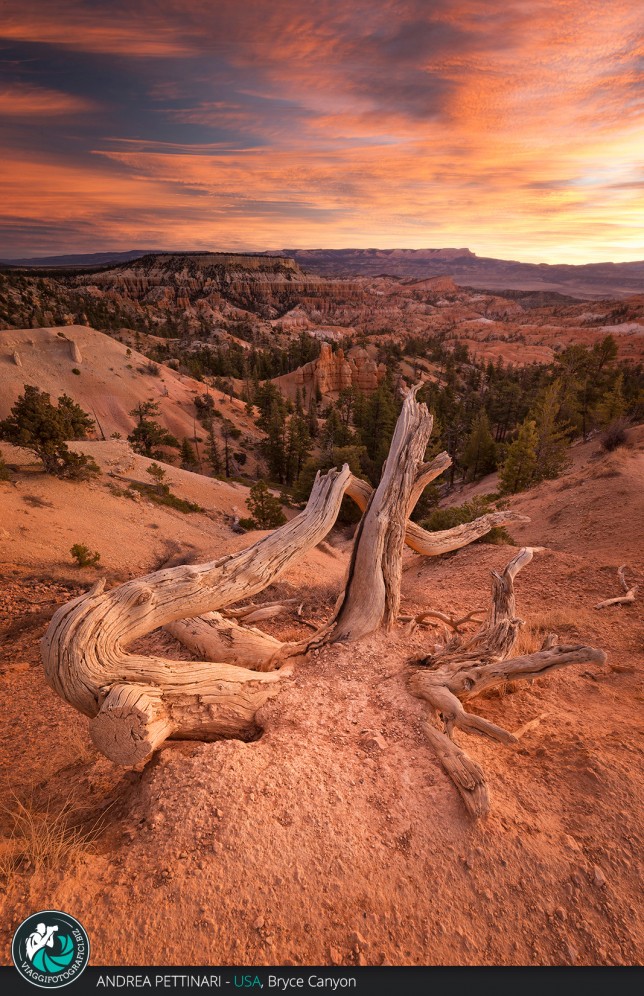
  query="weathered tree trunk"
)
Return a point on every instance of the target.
[
  {"x": 372, "y": 593},
  {"x": 461, "y": 671},
  {"x": 136, "y": 702}
]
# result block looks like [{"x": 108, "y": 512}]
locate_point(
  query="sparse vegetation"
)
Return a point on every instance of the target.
[
  {"x": 160, "y": 494},
  {"x": 83, "y": 556},
  {"x": 47, "y": 837}
]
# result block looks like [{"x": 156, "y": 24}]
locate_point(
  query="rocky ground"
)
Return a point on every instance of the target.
[{"x": 336, "y": 838}]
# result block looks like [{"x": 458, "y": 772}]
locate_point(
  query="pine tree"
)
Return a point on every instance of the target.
[
  {"x": 264, "y": 507},
  {"x": 188, "y": 455},
  {"x": 44, "y": 428},
  {"x": 552, "y": 441},
  {"x": 479, "y": 454},
  {"x": 157, "y": 474},
  {"x": 520, "y": 465},
  {"x": 148, "y": 435},
  {"x": 613, "y": 405}
]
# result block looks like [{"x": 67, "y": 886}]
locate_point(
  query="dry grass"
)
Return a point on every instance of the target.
[
  {"x": 567, "y": 623},
  {"x": 45, "y": 838}
]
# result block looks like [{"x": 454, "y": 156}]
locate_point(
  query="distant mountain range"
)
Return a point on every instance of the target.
[{"x": 589, "y": 280}]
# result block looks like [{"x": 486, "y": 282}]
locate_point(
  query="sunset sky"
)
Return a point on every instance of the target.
[{"x": 514, "y": 128}]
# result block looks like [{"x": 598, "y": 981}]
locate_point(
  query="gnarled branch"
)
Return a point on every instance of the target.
[
  {"x": 461, "y": 671},
  {"x": 85, "y": 648}
]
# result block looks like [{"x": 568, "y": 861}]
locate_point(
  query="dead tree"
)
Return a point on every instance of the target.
[
  {"x": 136, "y": 701},
  {"x": 462, "y": 670}
]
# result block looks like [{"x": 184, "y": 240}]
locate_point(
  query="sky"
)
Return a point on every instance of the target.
[{"x": 512, "y": 127}]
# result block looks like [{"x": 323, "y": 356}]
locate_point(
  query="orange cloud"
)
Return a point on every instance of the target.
[
  {"x": 22, "y": 101},
  {"x": 511, "y": 127}
]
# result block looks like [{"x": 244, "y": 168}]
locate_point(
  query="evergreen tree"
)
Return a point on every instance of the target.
[
  {"x": 552, "y": 441},
  {"x": 520, "y": 465},
  {"x": 148, "y": 436},
  {"x": 299, "y": 446},
  {"x": 188, "y": 455},
  {"x": 264, "y": 507},
  {"x": 44, "y": 428},
  {"x": 158, "y": 476},
  {"x": 228, "y": 433},
  {"x": 479, "y": 455},
  {"x": 613, "y": 405}
]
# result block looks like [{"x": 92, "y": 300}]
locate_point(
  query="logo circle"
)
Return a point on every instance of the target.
[{"x": 50, "y": 949}]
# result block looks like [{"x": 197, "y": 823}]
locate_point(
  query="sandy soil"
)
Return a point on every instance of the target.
[
  {"x": 336, "y": 837},
  {"x": 111, "y": 380}
]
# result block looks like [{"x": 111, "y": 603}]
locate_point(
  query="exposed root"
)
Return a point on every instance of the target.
[
  {"x": 459, "y": 672},
  {"x": 625, "y": 599}
]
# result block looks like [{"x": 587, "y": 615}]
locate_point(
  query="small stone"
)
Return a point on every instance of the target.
[
  {"x": 371, "y": 740},
  {"x": 259, "y": 923},
  {"x": 183, "y": 856},
  {"x": 560, "y": 913},
  {"x": 357, "y": 940},
  {"x": 573, "y": 954},
  {"x": 335, "y": 956},
  {"x": 599, "y": 877}
]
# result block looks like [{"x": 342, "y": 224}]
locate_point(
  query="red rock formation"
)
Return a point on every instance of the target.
[{"x": 331, "y": 372}]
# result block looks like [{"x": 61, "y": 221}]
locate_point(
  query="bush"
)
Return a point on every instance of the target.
[
  {"x": 83, "y": 556},
  {"x": 615, "y": 435},
  {"x": 76, "y": 371},
  {"x": 458, "y": 515},
  {"x": 160, "y": 494}
]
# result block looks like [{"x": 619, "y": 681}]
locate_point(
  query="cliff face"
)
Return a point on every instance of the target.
[{"x": 268, "y": 286}]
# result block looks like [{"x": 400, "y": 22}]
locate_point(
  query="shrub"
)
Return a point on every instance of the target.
[
  {"x": 76, "y": 371},
  {"x": 156, "y": 473},
  {"x": 458, "y": 515},
  {"x": 83, "y": 556},
  {"x": 615, "y": 435},
  {"x": 160, "y": 494}
]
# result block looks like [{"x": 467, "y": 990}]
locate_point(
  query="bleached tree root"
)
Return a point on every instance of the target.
[
  {"x": 461, "y": 671},
  {"x": 454, "y": 623},
  {"x": 629, "y": 593},
  {"x": 131, "y": 723},
  {"x": 215, "y": 638},
  {"x": 466, "y": 774}
]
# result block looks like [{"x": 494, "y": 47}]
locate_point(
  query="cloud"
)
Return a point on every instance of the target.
[
  {"x": 23, "y": 101},
  {"x": 512, "y": 127}
]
